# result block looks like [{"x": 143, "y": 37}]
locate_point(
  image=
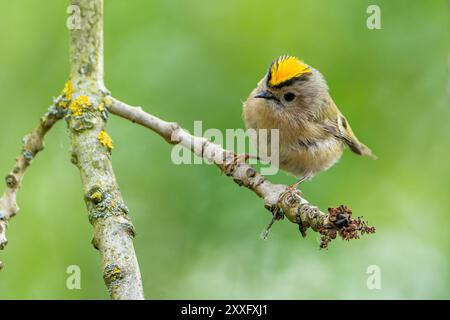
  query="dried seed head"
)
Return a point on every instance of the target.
[{"x": 342, "y": 223}]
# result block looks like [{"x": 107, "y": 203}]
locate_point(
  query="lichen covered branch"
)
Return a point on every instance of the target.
[
  {"x": 279, "y": 199},
  {"x": 91, "y": 153},
  {"x": 33, "y": 143}
]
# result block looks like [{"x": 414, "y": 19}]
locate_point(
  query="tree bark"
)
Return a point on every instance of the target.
[{"x": 91, "y": 153}]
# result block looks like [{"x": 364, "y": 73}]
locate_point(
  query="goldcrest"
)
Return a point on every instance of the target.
[{"x": 293, "y": 97}]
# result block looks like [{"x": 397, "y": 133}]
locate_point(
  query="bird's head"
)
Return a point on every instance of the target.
[{"x": 290, "y": 83}]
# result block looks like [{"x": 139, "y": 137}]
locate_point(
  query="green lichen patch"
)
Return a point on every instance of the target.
[
  {"x": 82, "y": 123},
  {"x": 103, "y": 204},
  {"x": 112, "y": 275}
]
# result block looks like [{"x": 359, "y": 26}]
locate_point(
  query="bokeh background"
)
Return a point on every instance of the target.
[{"x": 198, "y": 233}]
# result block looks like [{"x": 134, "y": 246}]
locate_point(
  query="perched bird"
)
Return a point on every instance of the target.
[{"x": 293, "y": 97}]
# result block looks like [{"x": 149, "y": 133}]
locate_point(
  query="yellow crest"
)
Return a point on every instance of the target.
[{"x": 286, "y": 68}]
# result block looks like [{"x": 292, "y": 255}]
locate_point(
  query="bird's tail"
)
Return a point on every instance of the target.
[
  {"x": 361, "y": 149},
  {"x": 355, "y": 145}
]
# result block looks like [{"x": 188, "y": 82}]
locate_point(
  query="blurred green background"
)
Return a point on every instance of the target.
[{"x": 198, "y": 233}]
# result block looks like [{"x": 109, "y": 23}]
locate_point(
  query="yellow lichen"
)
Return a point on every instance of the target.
[
  {"x": 101, "y": 107},
  {"x": 68, "y": 90},
  {"x": 96, "y": 196},
  {"x": 80, "y": 105},
  {"x": 108, "y": 102},
  {"x": 105, "y": 140},
  {"x": 66, "y": 94},
  {"x": 116, "y": 271}
]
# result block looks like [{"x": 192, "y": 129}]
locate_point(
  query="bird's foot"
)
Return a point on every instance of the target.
[
  {"x": 294, "y": 186},
  {"x": 290, "y": 196},
  {"x": 292, "y": 189}
]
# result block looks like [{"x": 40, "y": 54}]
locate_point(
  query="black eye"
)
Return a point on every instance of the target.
[{"x": 289, "y": 96}]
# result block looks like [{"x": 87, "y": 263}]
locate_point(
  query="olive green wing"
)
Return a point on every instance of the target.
[{"x": 336, "y": 124}]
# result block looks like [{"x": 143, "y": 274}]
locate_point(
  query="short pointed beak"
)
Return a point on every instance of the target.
[{"x": 266, "y": 95}]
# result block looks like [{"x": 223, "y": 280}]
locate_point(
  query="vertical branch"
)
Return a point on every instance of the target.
[
  {"x": 91, "y": 153},
  {"x": 86, "y": 44}
]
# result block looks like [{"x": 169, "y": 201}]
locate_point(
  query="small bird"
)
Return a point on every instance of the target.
[{"x": 293, "y": 97}]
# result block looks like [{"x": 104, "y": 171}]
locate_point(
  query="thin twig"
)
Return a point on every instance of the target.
[{"x": 33, "y": 143}]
